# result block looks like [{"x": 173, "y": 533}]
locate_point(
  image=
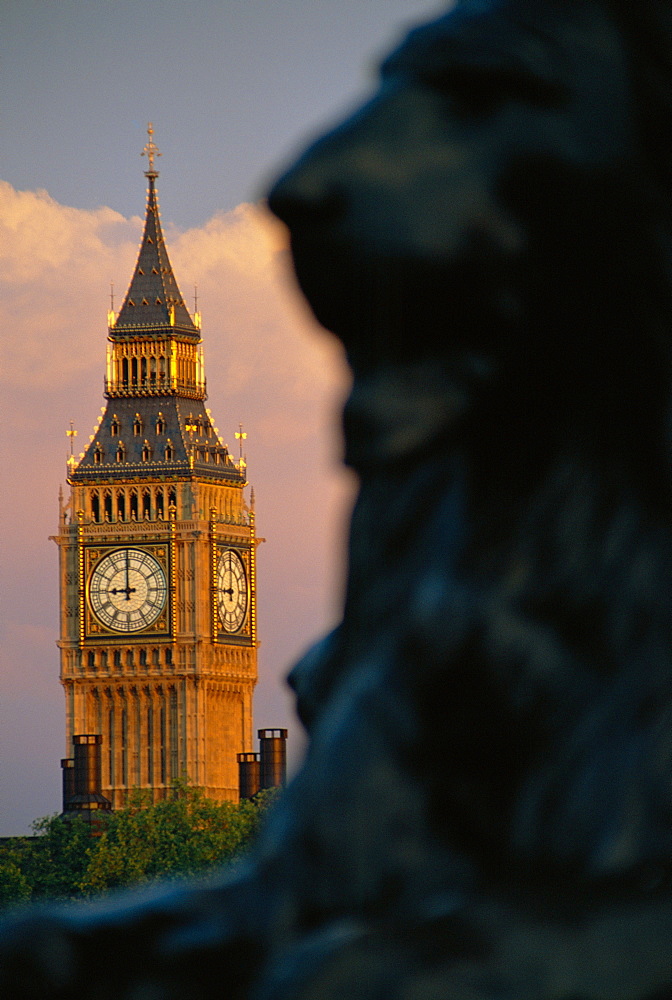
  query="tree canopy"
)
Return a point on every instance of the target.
[{"x": 186, "y": 834}]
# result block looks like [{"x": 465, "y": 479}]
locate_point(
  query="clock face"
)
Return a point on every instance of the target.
[
  {"x": 231, "y": 590},
  {"x": 127, "y": 590}
]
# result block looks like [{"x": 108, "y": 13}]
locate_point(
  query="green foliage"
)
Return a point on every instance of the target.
[
  {"x": 14, "y": 886},
  {"x": 186, "y": 834},
  {"x": 59, "y": 856}
]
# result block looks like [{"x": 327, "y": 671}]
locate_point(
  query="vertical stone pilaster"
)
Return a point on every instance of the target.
[
  {"x": 117, "y": 748},
  {"x": 143, "y": 738},
  {"x": 182, "y": 723},
  {"x": 69, "y": 716},
  {"x": 134, "y": 778},
  {"x": 151, "y": 738},
  {"x": 109, "y": 738}
]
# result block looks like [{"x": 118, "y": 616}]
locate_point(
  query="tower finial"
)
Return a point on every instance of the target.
[
  {"x": 240, "y": 436},
  {"x": 150, "y": 151},
  {"x": 110, "y": 312},
  {"x": 72, "y": 434}
]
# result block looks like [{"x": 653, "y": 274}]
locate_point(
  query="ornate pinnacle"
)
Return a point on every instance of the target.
[
  {"x": 240, "y": 437},
  {"x": 150, "y": 151},
  {"x": 72, "y": 434}
]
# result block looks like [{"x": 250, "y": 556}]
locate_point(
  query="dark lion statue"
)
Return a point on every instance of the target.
[{"x": 485, "y": 809}]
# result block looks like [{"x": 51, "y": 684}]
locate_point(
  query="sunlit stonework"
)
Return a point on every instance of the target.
[{"x": 157, "y": 556}]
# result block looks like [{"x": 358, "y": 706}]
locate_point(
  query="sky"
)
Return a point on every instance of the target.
[{"x": 235, "y": 89}]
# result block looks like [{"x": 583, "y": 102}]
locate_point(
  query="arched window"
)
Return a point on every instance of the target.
[
  {"x": 143, "y": 371},
  {"x": 160, "y": 424},
  {"x": 117, "y": 657},
  {"x": 169, "y": 451},
  {"x": 121, "y": 453},
  {"x": 97, "y": 455},
  {"x": 129, "y": 657},
  {"x": 134, "y": 371},
  {"x": 146, "y": 451},
  {"x": 146, "y": 505},
  {"x": 121, "y": 506},
  {"x": 143, "y": 657},
  {"x": 172, "y": 498},
  {"x": 159, "y": 504},
  {"x": 115, "y": 426},
  {"x": 92, "y": 658},
  {"x": 95, "y": 507},
  {"x": 108, "y": 505},
  {"x": 137, "y": 425},
  {"x": 134, "y": 505},
  {"x": 169, "y": 657},
  {"x": 124, "y": 372}
]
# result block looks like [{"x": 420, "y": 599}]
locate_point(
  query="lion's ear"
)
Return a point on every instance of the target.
[{"x": 465, "y": 47}]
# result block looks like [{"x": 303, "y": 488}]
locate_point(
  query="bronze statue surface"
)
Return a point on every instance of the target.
[{"x": 485, "y": 808}]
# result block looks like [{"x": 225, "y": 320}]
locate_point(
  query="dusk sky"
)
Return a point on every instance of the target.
[{"x": 234, "y": 88}]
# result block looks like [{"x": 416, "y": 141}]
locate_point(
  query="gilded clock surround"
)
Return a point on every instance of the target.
[
  {"x": 126, "y": 567},
  {"x": 233, "y": 596},
  {"x": 172, "y": 699}
]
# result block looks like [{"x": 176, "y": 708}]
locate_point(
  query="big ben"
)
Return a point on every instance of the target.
[{"x": 157, "y": 556}]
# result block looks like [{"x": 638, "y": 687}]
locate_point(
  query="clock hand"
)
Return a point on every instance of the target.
[{"x": 127, "y": 590}]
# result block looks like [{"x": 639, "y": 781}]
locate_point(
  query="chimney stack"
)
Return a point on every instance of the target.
[
  {"x": 248, "y": 774},
  {"x": 68, "y": 765},
  {"x": 86, "y": 798},
  {"x": 273, "y": 757}
]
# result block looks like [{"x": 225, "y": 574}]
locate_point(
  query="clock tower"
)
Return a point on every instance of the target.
[{"x": 157, "y": 556}]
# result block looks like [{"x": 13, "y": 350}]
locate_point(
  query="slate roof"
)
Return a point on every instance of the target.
[
  {"x": 134, "y": 434},
  {"x": 153, "y": 294}
]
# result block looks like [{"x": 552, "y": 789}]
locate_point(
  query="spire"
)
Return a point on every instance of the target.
[{"x": 153, "y": 299}]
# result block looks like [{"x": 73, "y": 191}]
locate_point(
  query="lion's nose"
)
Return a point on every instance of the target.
[{"x": 307, "y": 195}]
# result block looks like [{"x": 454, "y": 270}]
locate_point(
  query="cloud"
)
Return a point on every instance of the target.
[
  {"x": 55, "y": 268},
  {"x": 56, "y": 264},
  {"x": 40, "y": 236},
  {"x": 255, "y": 325}
]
